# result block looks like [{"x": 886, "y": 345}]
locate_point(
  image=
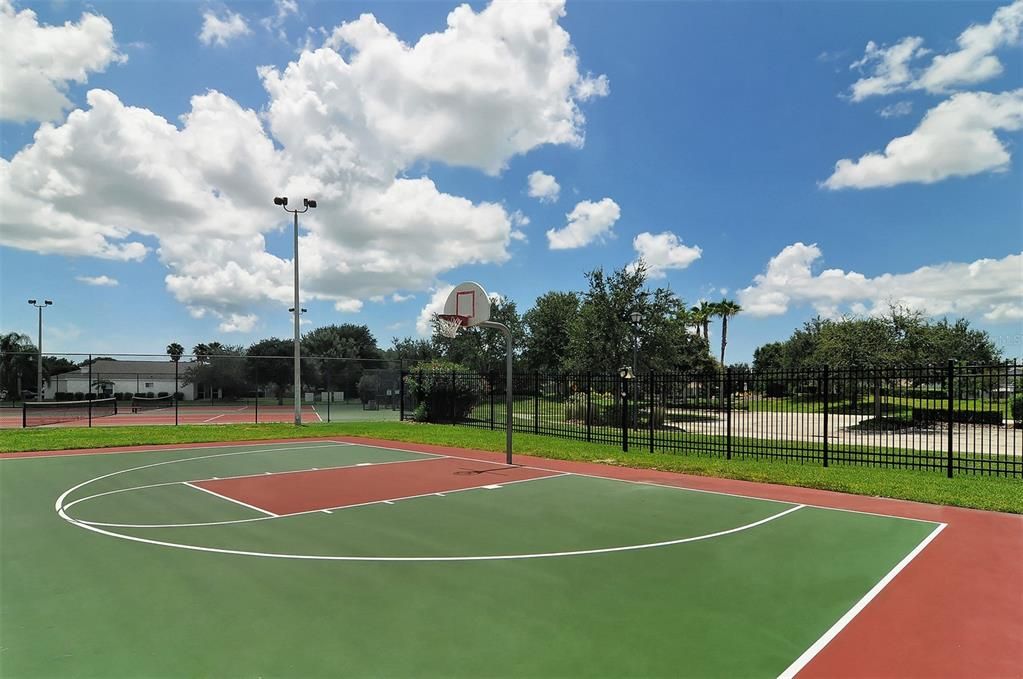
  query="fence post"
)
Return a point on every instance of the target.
[
  {"x": 493, "y": 388},
  {"x": 176, "y": 393},
  {"x": 24, "y": 413},
  {"x": 651, "y": 406},
  {"x": 536, "y": 402},
  {"x": 329, "y": 393},
  {"x": 728, "y": 413},
  {"x": 950, "y": 375},
  {"x": 625, "y": 415},
  {"x": 589, "y": 391},
  {"x": 452, "y": 396},
  {"x": 90, "y": 387},
  {"x": 827, "y": 391},
  {"x": 401, "y": 392}
]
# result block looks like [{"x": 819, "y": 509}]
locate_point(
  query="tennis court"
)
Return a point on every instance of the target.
[
  {"x": 108, "y": 413},
  {"x": 322, "y": 558}
]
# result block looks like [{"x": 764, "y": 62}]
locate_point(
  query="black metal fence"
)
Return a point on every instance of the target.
[{"x": 953, "y": 419}]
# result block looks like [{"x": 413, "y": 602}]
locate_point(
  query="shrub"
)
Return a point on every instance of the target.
[
  {"x": 443, "y": 391},
  {"x": 163, "y": 393},
  {"x": 368, "y": 386},
  {"x": 179, "y": 396},
  {"x": 604, "y": 410},
  {"x": 150, "y": 394},
  {"x": 79, "y": 396},
  {"x": 924, "y": 415},
  {"x": 1017, "y": 410}
]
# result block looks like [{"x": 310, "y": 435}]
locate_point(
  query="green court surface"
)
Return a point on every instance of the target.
[{"x": 451, "y": 567}]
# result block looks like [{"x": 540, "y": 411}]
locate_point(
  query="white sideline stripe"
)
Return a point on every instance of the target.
[
  {"x": 229, "y": 499},
  {"x": 101, "y": 451},
  {"x": 494, "y": 557},
  {"x": 364, "y": 464},
  {"x": 326, "y": 511},
  {"x": 492, "y": 486},
  {"x": 217, "y": 417},
  {"x": 442, "y": 494},
  {"x": 826, "y": 638},
  {"x": 660, "y": 485},
  {"x": 214, "y": 478},
  {"x": 387, "y": 502}
]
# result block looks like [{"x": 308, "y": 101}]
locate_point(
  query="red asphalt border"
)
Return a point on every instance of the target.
[{"x": 955, "y": 611}]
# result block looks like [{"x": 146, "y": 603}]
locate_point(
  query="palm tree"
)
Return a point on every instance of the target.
[
  {"x": 726, "y": 308},
  {"x": 701, "y": 316},
  {"x": 175, "y": 350}
]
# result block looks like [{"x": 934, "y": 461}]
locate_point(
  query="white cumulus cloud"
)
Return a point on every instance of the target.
[
  {"x": 220, "y": 30},
  {"x": 38, "y": 61},
  {"x": 543, "y": 186},
  {"x": 663, "y": 251},
  {"x": 424, "y": 324},
  {"x": 992, "y": 288},
  {"x": 101, "y": 281},
  {"x": 238, "y": 323},
  {"x": 892, "y": 68},
  {"x": 118, "y": 182},
  {"x": 587, "y": 222},
  {"x": 956, "y": 138}
]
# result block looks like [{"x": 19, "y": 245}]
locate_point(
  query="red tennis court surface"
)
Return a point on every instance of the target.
[{"x": 304, "y": 491}]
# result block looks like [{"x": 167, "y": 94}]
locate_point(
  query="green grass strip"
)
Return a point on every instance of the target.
[{"x": 978, "y": 492}]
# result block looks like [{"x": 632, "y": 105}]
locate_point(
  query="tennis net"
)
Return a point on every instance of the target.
[
  {"x": 40, "y": 413},
  {"x": 140, "y": 404}
]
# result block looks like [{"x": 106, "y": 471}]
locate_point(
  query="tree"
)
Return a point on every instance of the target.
[
  {"x": 726, "y": 308},
  {"x": 268, "y": 363},
  {"x": 601, "y": 337},
  {"x": 548, "y": 325},
  {"x": 701, "y": 316},
  {"x": 17, "y": 363},
  {"x": 175, "y": 350},
  {"x": 346, "y": 351},
  {"x": 217, "y": 368},
  {"x": 410, "y": 350}
]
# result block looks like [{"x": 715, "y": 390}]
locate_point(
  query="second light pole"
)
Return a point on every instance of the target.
[{"x": 297, "y": 310}]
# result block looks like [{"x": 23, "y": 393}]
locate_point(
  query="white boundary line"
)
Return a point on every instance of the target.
[
  {"x": 231, "y": 499},
  {"x": 826, "y": 638},
  {"x": 494, "y": 557}
]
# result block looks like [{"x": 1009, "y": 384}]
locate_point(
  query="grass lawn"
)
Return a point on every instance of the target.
[{"x": 980, "y": 492}]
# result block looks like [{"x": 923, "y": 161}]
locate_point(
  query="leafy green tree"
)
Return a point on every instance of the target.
[
  {"x": 346, "y": 351},
  {"x": 270, "y": 362},
  {"x": 601, "y": 338},
  {"x": 548, "y": 325},
  {"x": 218, "y": 369},
  {"x": 411, "y": 350},
  {"x": 17, "y": 363}
]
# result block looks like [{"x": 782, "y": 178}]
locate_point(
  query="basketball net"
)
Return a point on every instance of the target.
[{"x": 449, "y": 324}]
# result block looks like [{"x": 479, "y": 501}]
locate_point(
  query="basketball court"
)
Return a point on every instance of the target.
[{"x": 357, "y": 557}]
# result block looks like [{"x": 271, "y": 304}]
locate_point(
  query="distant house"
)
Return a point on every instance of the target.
[{"x": 109, "y": 377}]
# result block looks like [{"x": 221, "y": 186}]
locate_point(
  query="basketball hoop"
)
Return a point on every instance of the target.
[{"x": 449, "y": 324}]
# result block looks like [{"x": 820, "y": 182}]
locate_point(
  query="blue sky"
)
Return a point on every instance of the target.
[{"x": 702, "y": 136}]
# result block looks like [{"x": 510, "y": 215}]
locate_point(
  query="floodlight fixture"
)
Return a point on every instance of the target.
[
  {"x": 308, "y": 202},
  {"x": 31, "y": 301},
  {"x": 282, "y": 201}
]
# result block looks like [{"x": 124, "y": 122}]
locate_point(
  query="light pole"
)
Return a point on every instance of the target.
[
  {"x": 39, "y": 374},
  {"x": 306, "y": 203},
  {"x": 635, "y": 318}
]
